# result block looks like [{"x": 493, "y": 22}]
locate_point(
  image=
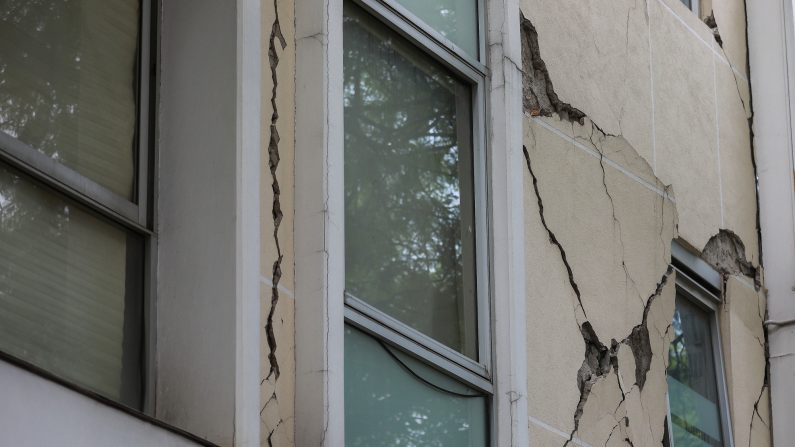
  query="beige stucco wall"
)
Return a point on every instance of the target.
[
  {"x": 666, "y": 157},
  {"x": 662, "y": 153},
  {"x": 277, "y": 388}
]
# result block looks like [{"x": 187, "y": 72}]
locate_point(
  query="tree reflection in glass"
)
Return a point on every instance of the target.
[
  {"x": 409, "y": 227},
  {"x": 66, "y": 301},
  {"x": 387, "y": 405},
  {"x": 692, "y": 384},
  {"x": 67, "y": 83}
]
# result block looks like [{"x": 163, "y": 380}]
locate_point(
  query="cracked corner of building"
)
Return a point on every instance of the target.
[{"x": 601, "y": 212}]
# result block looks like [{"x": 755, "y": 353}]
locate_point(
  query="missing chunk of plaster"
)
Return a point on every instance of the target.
[
  {"x": 539, "y": 97},
  {"x": 713, "y": 26},
  {"x": 276, "y": 36},
  {"x": 726, "y": 252}
]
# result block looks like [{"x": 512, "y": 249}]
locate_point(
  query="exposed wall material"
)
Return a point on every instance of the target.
[
  {"x": 278, "y": 346},
  {"x": 672, "y": 109}
]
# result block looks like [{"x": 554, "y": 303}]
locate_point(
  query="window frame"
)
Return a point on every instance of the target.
[
  {"x": 319, "y": 221},
  {"x": 476, "y": 373},
  {"x": 133, "y": 216},
  {"x": 692, "y": 290},
  {"x": 131, "y": 213}
]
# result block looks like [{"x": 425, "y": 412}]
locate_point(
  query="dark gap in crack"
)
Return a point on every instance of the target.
[
  {"x": 276, "y": 211},
  {"x": 599, "y": 360},
  {"x": 751, "y": 135},
  {"x": 552, "y": 238},
  {"x": 713, "y": 26},
  {"x": 539, "y": 97},
  {"x": 639, "y": 341}
]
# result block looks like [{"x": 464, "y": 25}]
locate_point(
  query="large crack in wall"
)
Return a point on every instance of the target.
[
  {"x": 276, "y": 38},
  {"x": 600, "y": 359}
]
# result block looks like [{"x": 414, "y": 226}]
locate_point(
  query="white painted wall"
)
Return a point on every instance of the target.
[
  {"x": 36, "y": 412},
  {"x": 196, "y": 305},
  {"x": 770, "y": 40}
]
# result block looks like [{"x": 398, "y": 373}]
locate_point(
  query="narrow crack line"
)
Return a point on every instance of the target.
[
  {"x": 616, "y": 221},
  {"x": 753, "y": 147},
  {"x": 552, "y": 238},
  {"x": 276, "y": 211}
]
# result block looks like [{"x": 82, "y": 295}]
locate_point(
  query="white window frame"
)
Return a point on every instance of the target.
[
  {"x": 319, "y": 228},
  {"x": 694, "y": 290}
]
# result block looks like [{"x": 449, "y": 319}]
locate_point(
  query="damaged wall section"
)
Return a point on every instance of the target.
[
  {"x": 611, "y": 131},
  {"x": 277, "y": 386}
]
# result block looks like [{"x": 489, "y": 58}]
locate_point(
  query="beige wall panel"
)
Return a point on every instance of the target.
[
  {"x": 615, "y": 228},
  {"x": 737, "y": 171},
  {"x": 685, "y": 123},
  {"x": 743, "y": 346},
  {"x": 277, "y": 394},
  {"x": 552, "y": 324},
  {"x": 597, "y": 55},
  {"x": 277, "y": 389},
  {"x": 679, "y": 12},
  {"x": 608, "y": 223},
  {"x": 730, "y": 17}
]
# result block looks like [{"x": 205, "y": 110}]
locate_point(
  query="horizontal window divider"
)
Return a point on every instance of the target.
[
  {"x": 70, "y": 183},
  {"x": 411, "y": 27},
  {"x": 695, "y": 291},
  {"x": 419, "y": 345}
]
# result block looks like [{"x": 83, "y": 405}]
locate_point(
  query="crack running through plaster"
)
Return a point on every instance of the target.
[
  {"x": 599, "y": 359},
  {"x": 538, "y": 95},
  {"x": 276, "y": 212},
  {"x": 540, "y": 99}
]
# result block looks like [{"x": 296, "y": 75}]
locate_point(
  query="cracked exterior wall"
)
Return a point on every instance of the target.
[
  {"x": 657, "y": 148},
  {"x": 277, "y": 386}
]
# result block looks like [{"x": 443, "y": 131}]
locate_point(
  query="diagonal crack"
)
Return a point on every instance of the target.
[
  {"x": 552, "y": 238},
  {"x": 599, "y": 359},
  {"x": 276, "y": 210}
]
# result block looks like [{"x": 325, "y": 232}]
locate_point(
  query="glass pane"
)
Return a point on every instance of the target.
[
  {"x": 409, "y": 227},
  {"x": 67, "y": 83},
  {"x": 387, "y": 404},
  {"x": 456, "y": 20},
  {"x": 69, "y": 290},
  {"x": 692, "y": 379}
]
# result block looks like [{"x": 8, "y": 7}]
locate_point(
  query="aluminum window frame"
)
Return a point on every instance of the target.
[
  {"x": 477, "y": 374},
  {"x": 690, "y": 288},
  {"x": 131, "y": 213},
  {"x": 134, "y": 216}
]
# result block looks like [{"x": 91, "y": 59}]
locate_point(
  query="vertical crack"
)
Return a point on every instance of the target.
[{"x": 276, "y": 210}]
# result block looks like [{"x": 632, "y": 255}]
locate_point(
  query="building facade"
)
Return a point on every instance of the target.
[{"x": 396, "y": 222}]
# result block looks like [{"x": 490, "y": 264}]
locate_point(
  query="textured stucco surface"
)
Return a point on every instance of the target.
[
  {"x": 663, "y": 153},
  {"x": 277, "y": 388}
]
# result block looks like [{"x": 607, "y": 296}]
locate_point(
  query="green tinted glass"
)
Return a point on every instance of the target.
[
  {"x": 692, "y": 379},
  {"x": 456, "y": 20},
  {"x": 393, "y": 400}
]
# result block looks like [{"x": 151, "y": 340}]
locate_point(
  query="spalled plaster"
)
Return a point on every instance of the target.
[
  {"x": 277, "y": 383},
  {"x": 582, "y": 206}
]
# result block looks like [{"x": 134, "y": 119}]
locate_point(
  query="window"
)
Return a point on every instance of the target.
[
  {"x": 696, "y": 388},
  {"x": 74, "y": 190},
  {"x": 417, "y": 336},
  {"x": 693, "y": 5}
]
